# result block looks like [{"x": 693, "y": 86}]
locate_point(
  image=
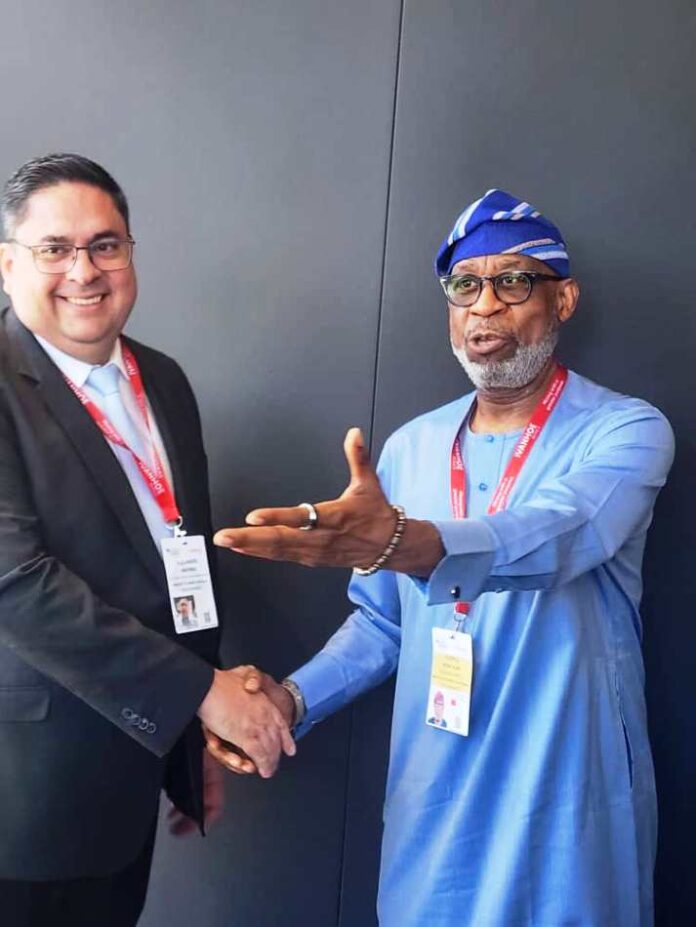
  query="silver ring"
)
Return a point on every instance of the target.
[{"x": 311, "y": 514}]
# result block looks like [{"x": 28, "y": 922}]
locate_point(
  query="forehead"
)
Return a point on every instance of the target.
[
  {"x": 496, "y": 263},
  {"x": 70, "y": 210}
]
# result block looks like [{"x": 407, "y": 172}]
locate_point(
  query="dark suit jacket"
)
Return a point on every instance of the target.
[{"x": 97, "y": 694}]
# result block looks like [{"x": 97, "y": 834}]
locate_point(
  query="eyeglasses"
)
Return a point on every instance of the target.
[
  {"x": 55, "y": 257},
  {"x": 510, "y": 287}
]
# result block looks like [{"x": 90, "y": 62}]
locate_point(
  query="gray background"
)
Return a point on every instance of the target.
[{"x": 292, "y": 168}]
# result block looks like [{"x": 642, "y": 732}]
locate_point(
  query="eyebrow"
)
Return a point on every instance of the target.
[
  {"x": 510, "y": 264},
  {"x": 64, "y": 240}
]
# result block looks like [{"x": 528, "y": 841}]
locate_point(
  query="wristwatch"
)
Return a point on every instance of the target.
[{"x": 297, "y": 700}]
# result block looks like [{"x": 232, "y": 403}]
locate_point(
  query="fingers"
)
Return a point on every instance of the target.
[
  {"x": 285, "y": 738},
  {"x": 294, "y": 517},
  {"x": 212, "y": 811},
  {"x": 274, "y": 543},
  {"x": 179, "y": 824},
  {"x": 264, "y": 749},
  {"x": 254, "y": 735},
  {"x": 270, "y": 738},
  {"x": 228, "y": 755},
  {"x": 289, "y": 745},
  {"x": 230, "y": 759},
  {"x": 264, "y": 736},
  {"x": 357, "y": 455},
  {"x": 253, "y": 678},
  {"x": 268, "y": 542},
  {"x": 213, "y": 790},
  {"x": 249, "y": 720}
]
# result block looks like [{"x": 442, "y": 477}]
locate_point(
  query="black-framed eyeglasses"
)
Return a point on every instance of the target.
[
  {"x": 510, "y": 287},
  {"x": 57, "y": 257}
]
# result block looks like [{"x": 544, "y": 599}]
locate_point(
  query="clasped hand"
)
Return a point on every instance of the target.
[
  {"x": 237, "y": 712},
  {"x": 234, "y": 755}
]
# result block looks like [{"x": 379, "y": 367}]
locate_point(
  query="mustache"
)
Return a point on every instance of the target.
[{"x": 483, "y": 330}]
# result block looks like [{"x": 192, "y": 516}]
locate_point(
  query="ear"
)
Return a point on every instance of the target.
[
  {"x": 6, "y": 262},
  {"x": 568, "y": 294}
]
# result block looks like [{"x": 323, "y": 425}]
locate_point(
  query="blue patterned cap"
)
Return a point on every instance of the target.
[{"x": 500, "y": 223}]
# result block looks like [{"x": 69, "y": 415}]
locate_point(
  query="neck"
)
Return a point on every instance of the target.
[
  {"x": 95, "y": 353},
  {"x": 501, "y": 410},
  {"x": 92, "y": 354}
]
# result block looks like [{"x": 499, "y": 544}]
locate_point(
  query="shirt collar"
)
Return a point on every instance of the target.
[{"x": 77, "y": 370}]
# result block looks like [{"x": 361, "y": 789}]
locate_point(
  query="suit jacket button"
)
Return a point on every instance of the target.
[
  {"x": 454, "y": 592},
  {"x": 151, "y": 728},
  {"x": 127, "y": 714},
  {"x": 143, "y": 724}
]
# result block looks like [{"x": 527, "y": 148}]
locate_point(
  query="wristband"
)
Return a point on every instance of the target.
[{"x": 393, "y": 543}]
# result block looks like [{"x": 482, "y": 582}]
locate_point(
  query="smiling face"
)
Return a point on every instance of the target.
[
  {"x": 83, "y": 310},
  {"x": 506, "y": 347}
]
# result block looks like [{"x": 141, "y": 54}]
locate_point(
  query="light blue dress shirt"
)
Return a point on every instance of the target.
[
  {"x": 545, "y": 814},
  {"x": 78, "y": 371}
]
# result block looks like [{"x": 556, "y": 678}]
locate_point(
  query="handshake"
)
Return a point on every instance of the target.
[{"x": 247, "y": 718}]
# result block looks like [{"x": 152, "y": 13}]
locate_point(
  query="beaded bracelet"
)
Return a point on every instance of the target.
[{"x": 394, "y": 542}]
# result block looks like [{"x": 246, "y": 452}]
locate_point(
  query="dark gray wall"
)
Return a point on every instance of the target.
[{"x": 266, "y": 161}]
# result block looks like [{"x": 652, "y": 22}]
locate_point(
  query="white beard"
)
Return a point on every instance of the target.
[{"x": 517, "y": 371}]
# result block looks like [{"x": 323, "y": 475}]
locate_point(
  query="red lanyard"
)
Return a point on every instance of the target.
[
  {"x": 156, "y": 479},
  {"x": 522, "y": 450}
]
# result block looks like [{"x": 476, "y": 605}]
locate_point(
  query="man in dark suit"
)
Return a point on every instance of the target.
[{"x": 101, "y": 702}]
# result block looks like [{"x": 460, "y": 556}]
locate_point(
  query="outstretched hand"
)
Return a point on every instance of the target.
[{"x": 351, "y": 531}]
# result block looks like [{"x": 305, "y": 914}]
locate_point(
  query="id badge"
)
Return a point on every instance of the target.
[
  {"x": 190, "y": 587},
  {"x": 449, "y": 699}
]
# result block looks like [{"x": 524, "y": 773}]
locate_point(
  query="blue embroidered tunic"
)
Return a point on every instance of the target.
[{"x": 545, "y": 814}]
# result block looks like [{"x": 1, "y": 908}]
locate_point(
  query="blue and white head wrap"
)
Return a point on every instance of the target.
[{"x": 499, "y": 223}]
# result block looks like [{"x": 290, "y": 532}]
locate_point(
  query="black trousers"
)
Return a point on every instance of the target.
[{"x": 105, "y": 901}]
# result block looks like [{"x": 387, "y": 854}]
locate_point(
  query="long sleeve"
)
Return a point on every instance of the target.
[
  {"x": 573, "y": 522},
  {"x": 360, "y": 655}
]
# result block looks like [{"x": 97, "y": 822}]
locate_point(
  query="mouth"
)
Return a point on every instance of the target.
[
  {"x": 82, "y": 301},
  {"x": 485, "y": 343}
]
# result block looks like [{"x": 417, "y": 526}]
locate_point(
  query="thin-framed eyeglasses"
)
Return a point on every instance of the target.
[
  {"x": 57, "y": 257},
  {"x": 511, "y": 287}
]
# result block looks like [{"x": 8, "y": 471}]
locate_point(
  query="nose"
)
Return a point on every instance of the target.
[
  {"x": 488, "y": 303},
  {"x": 83, "y": 270}
]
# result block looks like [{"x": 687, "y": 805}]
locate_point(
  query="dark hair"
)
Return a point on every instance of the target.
[{"x": 49, "y": 170}]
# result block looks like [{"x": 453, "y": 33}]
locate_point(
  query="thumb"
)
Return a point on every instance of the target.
[
  {"x": 253, "y": 681},
  {"x": 358, "y": 458}
]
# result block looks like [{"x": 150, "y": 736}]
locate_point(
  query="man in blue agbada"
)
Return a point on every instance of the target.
[{"x": 545, "y": 813}]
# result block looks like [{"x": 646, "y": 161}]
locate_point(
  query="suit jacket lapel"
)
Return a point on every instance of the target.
[{"x": 87, "y": 440}]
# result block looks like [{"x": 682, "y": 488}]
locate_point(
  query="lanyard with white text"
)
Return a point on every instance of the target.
[
  {"x": 522, "y": 450},
  {"x": 156, "y": 479}
]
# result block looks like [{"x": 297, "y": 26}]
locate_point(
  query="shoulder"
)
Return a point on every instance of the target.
[
  {"x": 597, "y": 427},
  {"x": 158, "y": 369},
  {"x": 604, "y": 411},
  {"x": 152, "y": 359},
  {"x": 11, "y": 355}
]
